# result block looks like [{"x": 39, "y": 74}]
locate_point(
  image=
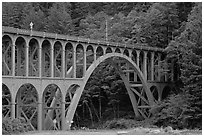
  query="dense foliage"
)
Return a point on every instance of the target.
[
  {"x": 174, "y": 26},
  {"x": 14, "y": 126}
]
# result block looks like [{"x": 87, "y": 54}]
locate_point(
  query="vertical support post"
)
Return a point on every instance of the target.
[
  {"x": 52, "y": 59},
  {"x": 40, "y": 59},
  {"x": 159, "y": 67},
  {"x": 13, "y": 107},
  {"x": 84, "y": 67},
  {"x": 152, "y": 66},
  {"x": 63, "y": 114},
  {"x": 13, "y": 59},
  {"x": 138, "y": 60},
  {"x": 40, "y": 115},
  {"x": 95, "y": 54},
  {"x": 63, "y": 60},
  {"x": 145, "y": 64},
  {"x": 74, "y": 61},
  {"x": 27, "y": 58}
]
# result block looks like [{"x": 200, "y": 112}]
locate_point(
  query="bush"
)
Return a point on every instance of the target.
[
  {"x": 14, "y": 126},
  {"x": 121, "y": 124},
  {"x": 178, "y": 113}
]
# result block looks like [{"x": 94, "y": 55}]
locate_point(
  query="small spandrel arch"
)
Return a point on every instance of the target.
[
  {"x": 20, "y": 57},
  {"x": 58, "y": 59},
  {"x": 33, "y": 57},
  {"x": 79, "y": 61},
  {"x": 108, "y": 50},
  {"x": 99, "y": 52},
  {"x": 89, "y": 56},
  {"x": 46, "y": 58},
  {"x": 7, "y": 55},
  {"x": 69, "y": 53}
]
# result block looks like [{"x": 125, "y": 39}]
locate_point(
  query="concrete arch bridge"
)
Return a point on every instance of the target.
[{"x": 44, "y": 74}]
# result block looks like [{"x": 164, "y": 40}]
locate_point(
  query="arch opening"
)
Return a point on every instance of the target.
[
  {"x": 117, "y": 50},
  {"x": 52, "y": 108},
  {"x": 6, "y": 55},
  {"x": 79, "y": 61},
  {"x": 89, "y": 56},
  {"x": 6, "y": 101},
  {"x": 69, "y": 60},
  {"x": 144, "y": 94},
  {"x": 33, "y": 58},
  {"x": 99, "y": 52},
  {"x": 108, "y": 50},
  {"x": 155, "y": 93},
  {"x": 46, "y": 59},
  {"x": 20, "y": 50},
  {"x": 27, "y": 104},
  {"x": 58, "y": 59}
]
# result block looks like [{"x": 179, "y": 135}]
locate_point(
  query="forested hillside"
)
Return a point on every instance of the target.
[{"x": 175, "y": 26}]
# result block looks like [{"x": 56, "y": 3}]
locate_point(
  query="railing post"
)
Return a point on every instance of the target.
[{"x": 152, "y": 66}]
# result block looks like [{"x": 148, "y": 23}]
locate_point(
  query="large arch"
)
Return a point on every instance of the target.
[
  {"x": 77, "y": 95},
  {"x": 6, "y": 101},
  {"x": 27, "y": 104},
  {"x": 52, "y": 108}
]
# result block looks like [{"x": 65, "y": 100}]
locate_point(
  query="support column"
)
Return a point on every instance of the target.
[
  {"x": 145, "y": 65},
  {"x": 63, "y": 61},
  {"x": 152, "y": 66},
  {"x": 63, "y": 114},
  {"x": 84, "y": 66},
  {"x": 40, "y": 60},
  {"x": 95, "y": 54},
  {"x": 13, "y": 108},
  {"x": 138, "y": 58},
  {"x": 52, "y": 59},
  {"x": 74, "y": 61},
  {"x": 13, "y": 59},
  {"x": 40, "y": 115},
  {"x": 27, "y": 58},
  {"x": 159, "y": 67}
]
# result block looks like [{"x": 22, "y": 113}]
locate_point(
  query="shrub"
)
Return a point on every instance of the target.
[
  {"x": 178, "y": 113},
  {"x": 120, "y": 124},
  {"x": 14, "y": 126}
]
